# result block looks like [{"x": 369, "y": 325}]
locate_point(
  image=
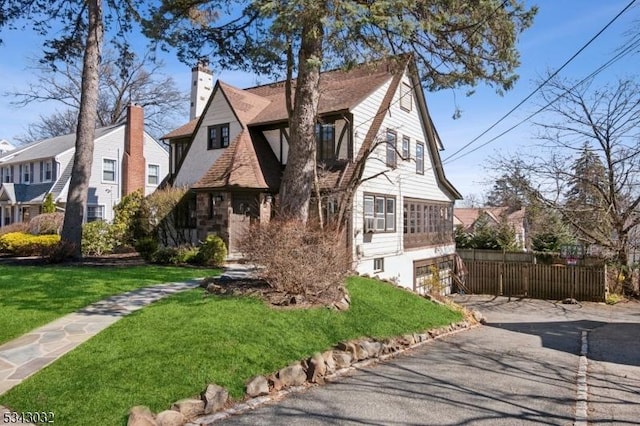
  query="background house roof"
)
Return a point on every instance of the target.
[
  {"x": 467, "y": 217},
  {"x": 48, "y": 148}
]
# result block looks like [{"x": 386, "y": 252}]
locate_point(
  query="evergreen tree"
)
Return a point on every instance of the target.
[{"x": 585, "y": 201}]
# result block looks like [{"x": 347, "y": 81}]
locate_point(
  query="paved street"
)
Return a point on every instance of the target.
[{"x": 519, "y": 369}]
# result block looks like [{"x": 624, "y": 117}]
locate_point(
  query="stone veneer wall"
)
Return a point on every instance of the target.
[{"x": 219, "y": 223}]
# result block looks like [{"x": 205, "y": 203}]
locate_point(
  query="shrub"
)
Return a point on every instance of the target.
[
  {"x": 165, "y": 255},
  {"x": 23, "y": 244},
  {"x": 46, "y": 223},
  {"x": 48, "y": 206},
  {"x": 297, "y": 260},
  {"x": 131, "y": 219},
  {"x": 175, "y": 255},
  {"x": 97, "y": 238},
  {"x": 212, "y": 252},
  {"x": 146, "y": 247},
  {"x": 15, "y": 227}
]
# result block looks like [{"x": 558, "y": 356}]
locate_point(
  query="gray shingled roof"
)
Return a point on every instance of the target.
[{"x": 48, "y": 148}]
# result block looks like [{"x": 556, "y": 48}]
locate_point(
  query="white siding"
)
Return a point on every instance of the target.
[
  {"x": 273, "y": 137},
  {"x": 401, "y": 182},
  {"x": 199, "y": 159},
  {"x": 107, "y": 194},
  {"x": 154, "y": 153},
  {"x": 399, "y": 267}
]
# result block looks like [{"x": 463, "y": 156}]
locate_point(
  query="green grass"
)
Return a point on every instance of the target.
[
  {"x": 31, "y": 296},
  {"x": 175, "y": 347}
]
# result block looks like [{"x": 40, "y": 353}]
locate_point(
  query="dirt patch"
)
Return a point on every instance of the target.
[{"x": 258, "y": 288}]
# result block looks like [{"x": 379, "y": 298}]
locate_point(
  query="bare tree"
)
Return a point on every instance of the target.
[
  {"x": 606, "y": 123},
  {"x": 142, "y": 82}
]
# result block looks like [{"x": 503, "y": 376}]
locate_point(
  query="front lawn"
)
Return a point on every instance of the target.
[
  {"x": 175, "y": 347},
  {"x": 31, "y": 296}
]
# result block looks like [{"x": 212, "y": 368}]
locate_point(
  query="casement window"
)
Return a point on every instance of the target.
[
  {"x": 427, "y": 222},
  {"x": 379, "y": 213},
  {"x": 153, "y": 174},
  {"x": 391, "y": 148},
  {"x": 218, "y": 136},
  {"x": 108, "y": 170},
  {"x": 420, "y": 158},
  {"x": 94, "y": 213},
  {"x": 185, "y": 212},
  {"x": 406, "y": 148},
  {"x": 326, "y": 140},
  {"x": 406, "y": 97}
]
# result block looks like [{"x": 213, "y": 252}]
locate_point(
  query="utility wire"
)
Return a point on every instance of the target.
[
  {"x": 606, "y": 65},
  {"x": 540, "y": 86}
]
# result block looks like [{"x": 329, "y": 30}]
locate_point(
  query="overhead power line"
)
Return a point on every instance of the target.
[
  {"x": 537, "y": 89},
  {"x": 627, "y": 50}
]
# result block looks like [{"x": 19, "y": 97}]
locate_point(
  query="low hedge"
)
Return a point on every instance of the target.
[{"x": 23, "y": 244}]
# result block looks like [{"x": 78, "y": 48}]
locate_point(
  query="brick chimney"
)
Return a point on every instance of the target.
[{"x": 133, "y": 162}]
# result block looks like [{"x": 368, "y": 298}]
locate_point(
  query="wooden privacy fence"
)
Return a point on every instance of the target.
[{"x": 551, "y": 282}]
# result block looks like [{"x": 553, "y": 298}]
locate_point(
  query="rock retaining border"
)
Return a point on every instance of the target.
[{"x": 213, "y": 404}]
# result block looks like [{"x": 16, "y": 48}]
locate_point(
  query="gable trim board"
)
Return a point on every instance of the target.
[{"x": 251, "y": 156}]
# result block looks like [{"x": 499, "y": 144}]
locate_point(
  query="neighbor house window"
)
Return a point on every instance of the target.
[
  {"x": 25, "y": 173},
  {"x": 406, "y": 146},
  {"x": 391, "y": 148},
  {"x": 406, "y": 97},
  {"x": 108, "y": 170},
  {"x": 153, "y": 174},
  {"x": 420, "y": 158},
  {"x": 95, "y": 213},
  {"x": 46, "y": 171},
  {"x": 326, "y": 139},
  {"x": 218, "y": 136},
  {"x": 379, "y": 213}
]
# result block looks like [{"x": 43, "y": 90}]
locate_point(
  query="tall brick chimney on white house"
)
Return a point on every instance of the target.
[
  {"x": 201, "y": 88},
  {"x": 133, "y": 162}
]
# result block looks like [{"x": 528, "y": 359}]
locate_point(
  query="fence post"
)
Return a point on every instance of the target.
[{"x": 525, "y": 277}]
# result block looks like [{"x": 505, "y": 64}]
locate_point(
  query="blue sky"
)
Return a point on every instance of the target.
[{"x": 559, "y": 30}]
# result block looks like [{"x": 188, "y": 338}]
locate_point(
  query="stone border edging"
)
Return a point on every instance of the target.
[{"x": 345, "y": 358}]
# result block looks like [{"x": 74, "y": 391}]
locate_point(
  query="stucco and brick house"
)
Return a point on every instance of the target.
[
  {"x": 125, "y": 159},
  {"x": 374, "y": 116}
]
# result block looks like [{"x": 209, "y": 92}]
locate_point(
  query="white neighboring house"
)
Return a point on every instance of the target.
[
  {"x": 125, "y": 159},
  {"x": 401, "y": 220}
]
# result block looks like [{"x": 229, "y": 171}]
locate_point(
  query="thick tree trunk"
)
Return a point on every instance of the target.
[
  {"x": 298, "y": 179},
  {"x": 77, "y": 198}
]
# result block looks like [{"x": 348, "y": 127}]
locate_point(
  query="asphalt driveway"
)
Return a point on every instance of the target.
[{"x": 521, "y": 368}]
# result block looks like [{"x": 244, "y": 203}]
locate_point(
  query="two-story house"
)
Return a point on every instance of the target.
[
  {"x": 125, "y": 159},
  {"x": 375, "y": 116}
]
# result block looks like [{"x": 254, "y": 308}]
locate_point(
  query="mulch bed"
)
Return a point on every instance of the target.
[{"x": 111, "y": 260}]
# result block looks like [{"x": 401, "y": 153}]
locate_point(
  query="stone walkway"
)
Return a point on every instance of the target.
[{"x": 22, "y": 357}]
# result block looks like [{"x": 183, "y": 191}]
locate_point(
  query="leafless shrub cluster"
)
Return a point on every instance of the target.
[
  {"x": 46, "y": 223},
  {"x": 298, "y": 260}
]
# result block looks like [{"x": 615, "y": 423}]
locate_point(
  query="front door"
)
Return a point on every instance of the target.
[{"x": 244, "y": 212}]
